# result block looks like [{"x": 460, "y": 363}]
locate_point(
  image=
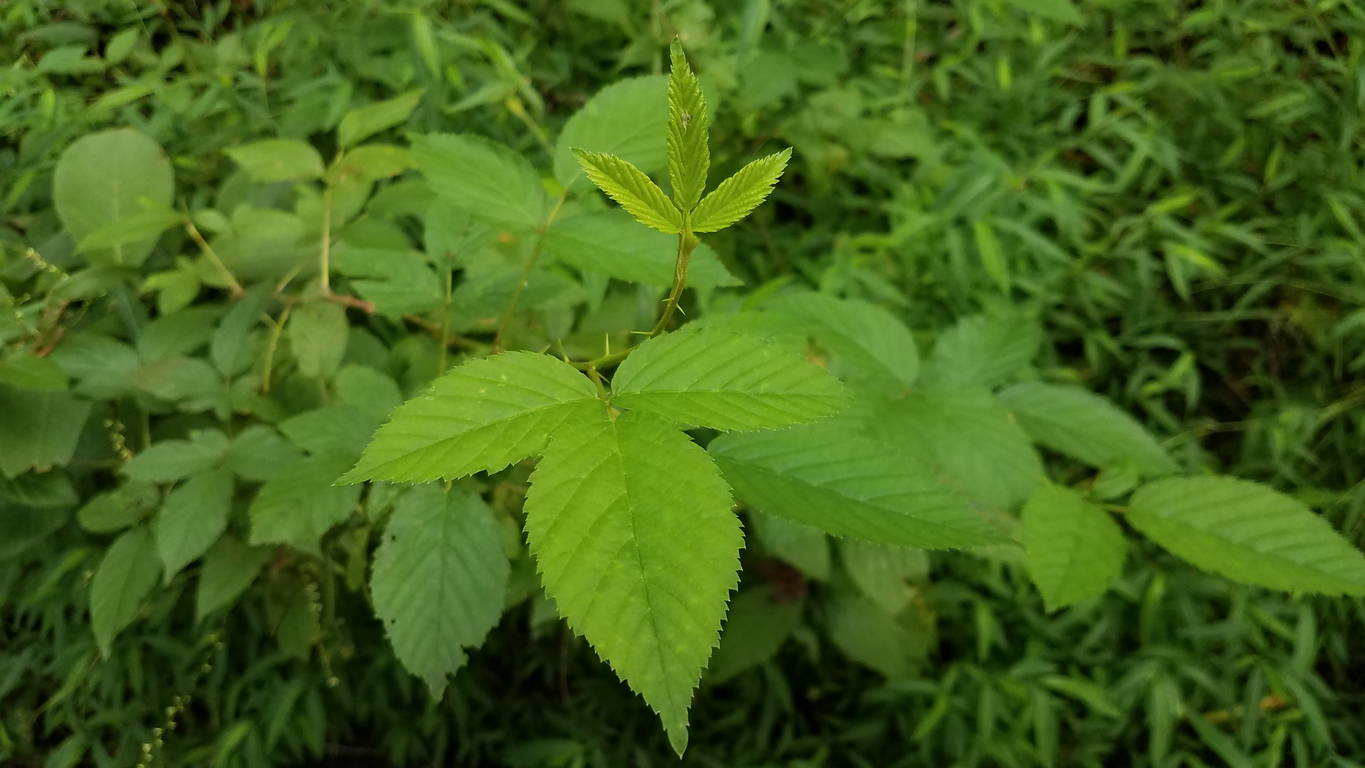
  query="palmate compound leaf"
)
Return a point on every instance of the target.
[
  {"x": 1085, "y": 426},
  {"x": 481, "y": 416},
  {"x": 439, "y": 580},
  {"x": 1248, "y": 533},
  {"x": 689, "y": 156},
  {"x": 632, "y": 189},
  {"x": 739, "y": 194},
  {"x": 832, "y": 476},
  {"x": 714, "y": 378},
  {"x": 631, "y": 526},
  {"x": 1073, "y": 549}
]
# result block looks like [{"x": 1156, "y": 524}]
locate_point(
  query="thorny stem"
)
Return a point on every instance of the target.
[{"x": 526, "y": 273}]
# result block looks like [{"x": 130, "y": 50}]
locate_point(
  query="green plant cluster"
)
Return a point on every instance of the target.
[{"x": 239, "y": 237}]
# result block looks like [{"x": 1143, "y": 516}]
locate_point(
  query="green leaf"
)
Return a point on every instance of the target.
[
  {"x": 1248, "y": 533},
  {"x": 318, "y": 332},
  {"x": 757, "y": 626},
  {"x": 714, "y": 378},
  {"x": 22, "y": 369},
  {"x": 337, "y": 429},
  {"x": 182, "y": 333},
  {"x": 1056, "y": 10},
  {"x": 38, "y": 429},
  {"x": 125, "y": 506},
  {"x": 479, "y": 417},
  {"x": 169, "y": 461},
  {"x": 739, "y": 194},
  {"x": 178, "y": 378},
  {"x": 258, "y": 454},
  {"x": 367, "y": 389},
  {"x": 993, "y": 259},
  {"x": 632, "y": 189},
  {"x": 870, "y": 341},
  {"x": 100, "y": 364},
  {"x": 689, "y": 156},
  {"x": 611, "y": 243},
  {"x": 882, "y": 571},
  {"x": 967, "y": 438},
  {"x": 866, "y": 633},
  {"x": 274, "y": 160},
  {"x": 193, "y": 516},
  {"x": 983, "y": 351},
  {"x": 804, "y": 547},
  {"x": 628, "y": 119},
  {"x": 230, "y": 347},
  {"x": 439, "y": 581},
  {"x": 105, "y": 177},
  {"x": 123, "y": 580},
  {"x": 137, "y": 227},
  {"x": 631, "y": 527},
  {"x": 22, "y": 527},
  {"x": 1085, "y": 426},
  {"x": 360, "y": 124},
  {"x": 489, "y": 180},
  {"x": 399, "y": 282},
  {"x": 299, "y": 505},
  {"x": 1072, "y": 548},
  {"x": 831, "y": 476},
  {"x": 373, "y": 162},
  {"x": 229, "y": 568}
]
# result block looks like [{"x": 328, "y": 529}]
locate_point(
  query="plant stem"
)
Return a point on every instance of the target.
[
  {"x": 326, "y": 241},
  {"x": 526, "y": 273},
  {"x": 204, "y": 246},
  {"x": 687, "y": 242},
  {"x": 270, "y": 351}
]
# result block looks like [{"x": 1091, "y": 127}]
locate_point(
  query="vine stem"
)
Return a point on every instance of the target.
[{"x": 526, "y": 273}]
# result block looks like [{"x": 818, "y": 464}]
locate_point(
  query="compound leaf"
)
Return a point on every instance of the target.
[
  {"x": 1085, "y": 426},
  {"x": 191, "y": 518},
  {"x": 831, "y": 476},
  {"x": 1248, "y": 533},
  {"x": 739, "y": 194},
  {"x": 632, "y": 189},
  {"x": 481, "y": 416},
  {"x": 125, "y": 577},
  {"x": 489, "y": 180},
  {"x": 631, "y": 526},
  {"x": 689, "y": 156},
  {"x": 713, "y": 378},
  {"x": 439, "y": 580},
  {"x": 1072, "y": 548}
]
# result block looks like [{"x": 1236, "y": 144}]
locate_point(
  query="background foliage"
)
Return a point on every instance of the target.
[{"x": 1169, "y": 188}]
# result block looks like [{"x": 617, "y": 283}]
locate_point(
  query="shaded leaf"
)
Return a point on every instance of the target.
[{"x": 1072, "y": 548}]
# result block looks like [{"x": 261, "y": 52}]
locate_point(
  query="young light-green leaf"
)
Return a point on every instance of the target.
[
  {"x": 274, "y": 160},
  {"x": 1249, "y": 533},
  {"x": 1073, "y": 549},
  {"x": 831, "y": 476},
  {"x": 193, "y": 516},
  {"x": 631, "y": 527},
  {"x": 739, "y": 194},
  {"x": 689, "y": 155},
  {"x": 1085, "y": 426},
  {"x": 359, "y": 124},
  {"x": 489, "y": 180},
  {"x": 439, "y": 580},
  {"x": 711, "y": 377},
  {"x": 628, "y": 119},
  {"x": 632, "y": 189},
  {"x": 124, "y": 578},
  {"x": 479, "y": 417}
]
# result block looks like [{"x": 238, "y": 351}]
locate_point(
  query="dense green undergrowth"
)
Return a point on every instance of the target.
[{"x": 1167, "y": 191}]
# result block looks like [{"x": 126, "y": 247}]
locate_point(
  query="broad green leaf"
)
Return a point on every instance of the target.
[
  {"x": 373, "y": 162},
  {"x": 100, "y": 364},
  {"x": 274, "y": 160},
  {"x": 870, "y": 341},
  {"x": 399, "y": 282},
  {"x": 299, "y": 505},
  {"x": 367, "y": 389},
  {"x": 360, "y": 124},
  {"x": 125, "y": 506},
  {"x": 138, "y": 226},
  {"x": 105, "y": 177},
  {"x": 39, "y": 489},
  {"x": 193, "y": 516},
  {"x": 479, "y": 417},
  {"x": 882, "y": 571},
  {"x": 717, "y": 379},
  {"x": 169, "y": 461},
  {"x": 178, "y": 379},
  {"x": 258, "y": 453},
  {"x": 318, "y": 332},
  {"x": 611, "y": 243},
  {"x": 689, "y": 155},
  {"x": 439, "y": 581},
  {"x": 830, "y": 476},
  {"x": 893, "y": 645},
  {"x": 628, "y": 119},
  {"x": 38, "y": 428},
  {"x": 182, "y": 333},
  {"x": 632, "y": 189},
  {"x": 1248, "y": 533},
  {"x": 757, "y": 626},
  {"x": 739, "y": 194},
  {"x": 983, "y": 351},
  {"x": 122, "y": 582},
  {"x": 631, "y": 527},
  {"x": 26, "y": 370},
  {"x": 804, "y": 547},
  {"x": 489, "y": 180},
  {"x": 337, "y": 428},
  {"x": 992, "y": 255},
  {"x": 1085, "y": 426},
  {"x": 1072, "y": 548},
  {"x": 229, "y": 568},
  {"x": 967, "y": 438}
]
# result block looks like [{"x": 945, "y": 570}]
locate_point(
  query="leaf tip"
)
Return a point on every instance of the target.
[{"x": 677, "y": 734}]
